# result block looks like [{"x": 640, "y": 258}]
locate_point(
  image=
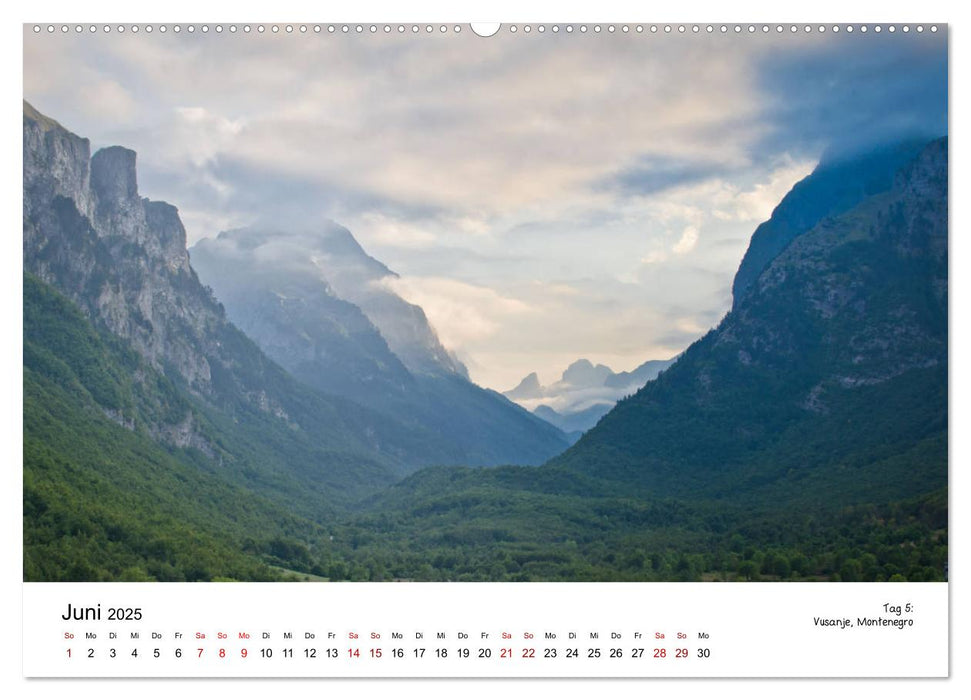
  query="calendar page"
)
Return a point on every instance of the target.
[{"x": 449, "y": 350}]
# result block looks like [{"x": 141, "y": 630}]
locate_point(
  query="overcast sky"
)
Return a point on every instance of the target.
[{"x": 544, "y": 197}]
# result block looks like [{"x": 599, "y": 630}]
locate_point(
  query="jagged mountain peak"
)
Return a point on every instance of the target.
[
  {"x": 584, "y": 373},
  {"x": 322, "y": 240},
  {"x": 528, "y": 388}
]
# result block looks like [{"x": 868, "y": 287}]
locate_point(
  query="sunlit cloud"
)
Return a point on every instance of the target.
[
  {"x": 459, "y": 312},
  {"x": 687, "y": 242}
]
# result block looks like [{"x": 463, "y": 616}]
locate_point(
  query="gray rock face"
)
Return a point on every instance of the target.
[
  {"x": 57, "y": 163},
  {"x": 118, "y": 256},
  {"x": 113, "y": 177},
  {"x": 162, "y": 219}
]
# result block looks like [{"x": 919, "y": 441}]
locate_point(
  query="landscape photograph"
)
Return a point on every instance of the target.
[{"x": 404, "y": 303}]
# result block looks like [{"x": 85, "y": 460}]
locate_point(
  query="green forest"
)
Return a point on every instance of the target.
[{"x": 103, "y": 501}]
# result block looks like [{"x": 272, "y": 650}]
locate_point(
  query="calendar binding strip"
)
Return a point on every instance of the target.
[{"x": 451, "y": 28}]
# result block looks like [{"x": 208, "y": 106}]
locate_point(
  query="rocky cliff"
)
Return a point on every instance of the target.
[{"x": 122, "y": 259}]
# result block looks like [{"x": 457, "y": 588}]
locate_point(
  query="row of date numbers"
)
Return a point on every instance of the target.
[{"x": 418, "y": 653}]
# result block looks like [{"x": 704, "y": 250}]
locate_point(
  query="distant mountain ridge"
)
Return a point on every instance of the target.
[
  {"x": 584, "y": 393},
  {"x": 574, "y": 423}
]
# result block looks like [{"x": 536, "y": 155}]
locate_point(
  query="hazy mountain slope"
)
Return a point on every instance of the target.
[
  {"x": 325, "y": 259},
  {"x": 298, "y": 320},
  {"x": 277, "y": 287},
  {"x": 362, "y": 280}
]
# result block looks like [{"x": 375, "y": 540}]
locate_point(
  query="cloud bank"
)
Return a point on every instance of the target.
[{"x": 543, "y": 197}]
